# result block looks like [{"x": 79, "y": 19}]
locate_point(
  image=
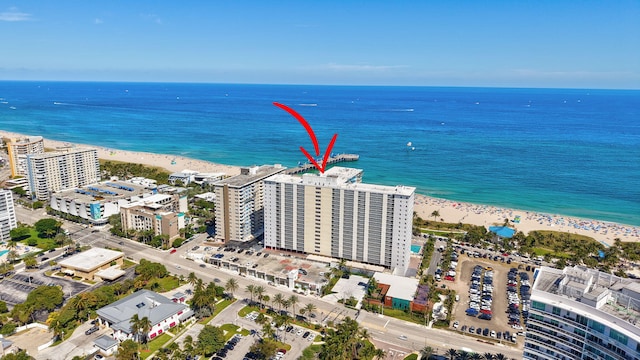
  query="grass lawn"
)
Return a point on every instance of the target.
[
  {"x": 166, "y": 283},
  {"x": 127, "y": 264},
  {"x": 247, "y": 309},
  {"x": 400, "y": 314},
  {"x": 411, "y": 357},
  {"x": 154, "y": 345},
  {"x": 230, "y": 330},
  {"x": 219, "y": 307},
  {"x": 44, "y": 244},
  {"x": 310, "y": 352},
  {"x": 539, "y": 251}
]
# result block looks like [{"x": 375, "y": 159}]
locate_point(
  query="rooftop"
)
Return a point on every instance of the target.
[
  {"x": 342, "y": 183},
  {"x": 105, "y": 342},
  {"x": 103, "y": 192},
  {"x": 399, "y": 287},
  {"x": 59, "y": 152},
  {"x": 144, "y": 303},
  {"x": 91, "y": 259},
  {"x": 592, "y": 289},
  {"x": 251, "y": 175}
]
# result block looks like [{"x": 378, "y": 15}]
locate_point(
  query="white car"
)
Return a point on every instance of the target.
[
  {"x": 456, "y": 324},
  {"x": 299, "y": 332}
]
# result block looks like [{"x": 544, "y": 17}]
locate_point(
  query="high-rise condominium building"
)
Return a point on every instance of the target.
[
  {"x": 61, "y": 170},
  {"x": 18, "y": 148},
  {"x": 336, "y": 215},
  {"x": 239, "y": 204},
  {"x": 581, "y": 313},
  {"x": 7, "y": 215}
]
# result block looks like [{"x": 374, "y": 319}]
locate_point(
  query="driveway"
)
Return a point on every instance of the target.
[{"x": 78, "y": 344}]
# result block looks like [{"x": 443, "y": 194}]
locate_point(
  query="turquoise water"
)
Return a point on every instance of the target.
[
  {"x": 2, "y": 252},
  {"x": 416, "y": 249},
  {"x": 503, "y": 231},
  {"x": 561, "y": 151}
]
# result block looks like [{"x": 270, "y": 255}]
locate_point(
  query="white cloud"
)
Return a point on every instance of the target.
[
  {"x": 98, "y": 21},
  {"x": 13, "y": 14},
  {"x": 362, "y": 67}
]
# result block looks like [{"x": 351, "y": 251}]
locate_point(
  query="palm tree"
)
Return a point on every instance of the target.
[
  {"x": 463, "y": 355},
  {"x": 425, "y": 352},
  {"x": 231, "y": 286},
  {"x": 435, "y": 214},
  {"x": 192, "y": 279},
  {"x": 488, "y": 356},
  {"x": 452, "y": 353},
  {"x": 145, "y": 327},
  {"x": 500, "y": 356},
  {"x": 309, "y": 309},
  {"x": 476, "y": 356},
  {"x": 293, "y": 300},
  {"x": 54, "y": 323},
  {"x": 259, "y": 290},
  {"x": 199, "y": 285},
  {"x": 380, "y": 354},
  {"x": 135, "y": 326},
  {"x": 251, "y": 289},
  {"x": 278, "y": 299}
]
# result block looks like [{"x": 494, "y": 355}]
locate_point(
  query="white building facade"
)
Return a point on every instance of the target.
[
  {"x": 239, "y": 203},
  {"x": 335, "y": 215},
  {"x": 7, "y": 215},
  {"x": 61, "y": 170},
  {"x": 581, "y": 313}
]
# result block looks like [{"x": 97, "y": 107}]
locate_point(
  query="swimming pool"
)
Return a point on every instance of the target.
[
  {"x": 416, "y": 249},
  {"x": 2, "y": 252}
]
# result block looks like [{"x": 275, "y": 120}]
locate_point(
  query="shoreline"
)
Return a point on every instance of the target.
[{"x": 450, "y": 211}]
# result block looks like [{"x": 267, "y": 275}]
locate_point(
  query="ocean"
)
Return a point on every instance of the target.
[{"x": 574, "y": 152}]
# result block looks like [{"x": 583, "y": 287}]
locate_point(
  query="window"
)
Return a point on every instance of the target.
[
  {"x": 621, "y": 338},
  {"x": 538, "y": 305},
  {"x": 581, "y": 319},
  {"x": 556, "y": 311},
  {"x": 596, "y": 326}
]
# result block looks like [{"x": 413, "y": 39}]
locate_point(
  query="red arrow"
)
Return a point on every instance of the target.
[{"x": 312, "y": 135}]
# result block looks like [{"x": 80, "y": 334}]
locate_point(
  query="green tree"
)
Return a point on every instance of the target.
[
  {"x": 293, "y": 301},
  {"x": 231, "y": 286},
  {"x": 30, "y": 261},
  {"x": 19, "y": 233},
  {"x": 210, "y": 339},
  {"x": 265, "y": 348},
  {"x": 435, "y": 214},
  {"x": 128, "y": 350},
  {"x": 47, "y": 228},
  {"x": 3, "y": 307},
  {"x": 20, "y": 355},
  {"x": 425, "y": 352},
  {"x": 251, "y": 289}
]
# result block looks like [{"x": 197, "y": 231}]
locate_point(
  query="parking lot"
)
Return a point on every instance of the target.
[
  {"x": 14, "y": 289},
  {"x": 499, "y": 322},
  {"x": 295, "y": 336}
]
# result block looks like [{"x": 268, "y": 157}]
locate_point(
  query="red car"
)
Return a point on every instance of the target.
[{"x": 172, "y": 251}]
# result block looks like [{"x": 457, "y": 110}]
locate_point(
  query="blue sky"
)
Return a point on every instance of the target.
[{"x": 574, "y": 44}]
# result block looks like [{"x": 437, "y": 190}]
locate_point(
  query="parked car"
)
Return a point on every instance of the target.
[{"x": 91, "y": 330}]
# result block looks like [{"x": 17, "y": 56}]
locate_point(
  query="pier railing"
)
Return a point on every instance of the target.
[{"x": 332, "y": 160}]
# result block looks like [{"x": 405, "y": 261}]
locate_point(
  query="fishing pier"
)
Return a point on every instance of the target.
[{"x": 332, "y": 160}]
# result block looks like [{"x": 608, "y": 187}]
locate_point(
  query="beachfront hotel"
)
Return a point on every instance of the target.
[
  {"x": 18, "y": 149},
  {"x": 582, "y": 313},
  {"x": 239, "y": 203},
  {"x": 7, "y": 215},
  {"x": 337, "y": 216},
  {"x": 61, "y": 170}
]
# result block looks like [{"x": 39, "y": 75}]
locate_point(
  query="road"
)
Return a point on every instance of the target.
[{"x": 381, "y": 327}]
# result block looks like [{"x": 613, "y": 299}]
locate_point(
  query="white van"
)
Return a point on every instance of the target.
[{"x": 457, "y": 297}]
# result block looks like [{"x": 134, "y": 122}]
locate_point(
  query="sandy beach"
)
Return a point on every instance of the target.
[
  {"x": 454, "y": 212},
  {"x": 450, "y": 211},
  {"x": 169, "y": 162}
]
